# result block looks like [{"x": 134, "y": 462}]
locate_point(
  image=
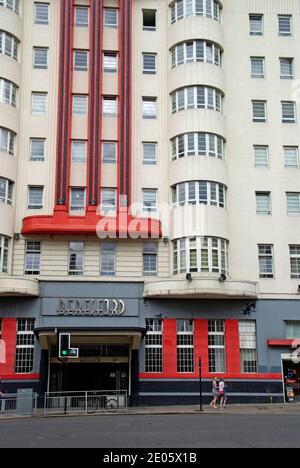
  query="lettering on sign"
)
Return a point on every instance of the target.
[{"x": 91, "y": 307}]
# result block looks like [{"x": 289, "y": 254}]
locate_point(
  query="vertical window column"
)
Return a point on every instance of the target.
[
  {"x": 125, "y": 113},
  {"x": 185, "y": 346},
  {"x": 154, "y": 346},
  {"x": 25, "y": 347},
  {"x": 95, "y": 113},
  {"x": 64, "y": 104}
]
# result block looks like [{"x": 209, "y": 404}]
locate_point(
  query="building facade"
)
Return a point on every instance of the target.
[{"x": 150, "y": 196}]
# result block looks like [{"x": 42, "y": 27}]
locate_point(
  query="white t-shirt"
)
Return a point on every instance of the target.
[{"x": 221, "y": 386}]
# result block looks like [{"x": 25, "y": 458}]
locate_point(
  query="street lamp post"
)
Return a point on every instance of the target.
[{"x": 200, "y": 384}]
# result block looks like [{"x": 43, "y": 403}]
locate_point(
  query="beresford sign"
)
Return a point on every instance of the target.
[{"x": 91, "y": 307}]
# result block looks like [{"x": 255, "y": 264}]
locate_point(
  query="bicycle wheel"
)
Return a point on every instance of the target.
[{"x": 112, "y": 405}]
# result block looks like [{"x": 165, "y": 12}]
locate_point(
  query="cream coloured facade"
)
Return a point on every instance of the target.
[
  {"x": 237, "y": 222},
  {"x": 150, "y": 195}
]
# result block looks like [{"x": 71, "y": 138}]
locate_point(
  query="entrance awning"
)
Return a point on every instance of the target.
[{"x": 133, "y": 337}]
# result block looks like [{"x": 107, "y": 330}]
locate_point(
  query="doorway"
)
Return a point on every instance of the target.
[{"x": 73, "y": 377}]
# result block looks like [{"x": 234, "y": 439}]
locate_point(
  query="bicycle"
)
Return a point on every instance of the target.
[{"x": 109, "y": 405}]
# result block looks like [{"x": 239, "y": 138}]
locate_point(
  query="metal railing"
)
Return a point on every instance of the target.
[
  {"x": 85, "y": 403},
  {"x": 13, "y": 406}
]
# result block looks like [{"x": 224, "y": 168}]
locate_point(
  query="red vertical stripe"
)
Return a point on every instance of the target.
[
  {"x": 9, "y": 336},
  {"x": 233, "y": 347},
  {"x": 201, "y": 343},
  {"x": 170, "y": 346}
]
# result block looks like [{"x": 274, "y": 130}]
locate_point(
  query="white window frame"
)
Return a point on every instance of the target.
[
  {"x": 81, "y": 97},
  {"x": 295, "y": 261},
  {"x": 37, "y": 189},
  {"x": 25, "y": 353},
  {"x": 261, "y": 118},
  {"x": 263, "y": 199},
  {"x": 185, "y": 335},
  {"x": 266, "y": 251},
  {"x": 7, "y": 141},
  {"x": 79, "y": 157},
  {"x": 33, "y": 251},
  {"x": 108, "y": 252},
  {"x": 105, "y": 19},
  {"x": 76, "y": 263},
  {"x": 286, "y": 150},
  {"x": 77, "y": 20},
  {"x": 6, "y": 85},
  {"x": 261, "y": 148},
  {"x": 106, "y": 195},
  {"x": 256, "y": 75},
  {"x": 288, "y": 117},
  {"x": 294, "y": 195},
  {"x": 217, "y": 347},
  {"x": 45, "y": 7},
  {"x": 38, "y": 109},
  {"x": 9, "y": 45},
  {"x": 13, "y": 5},
  {"x": 154, "y": 346},
  {"x": 4, "y": 253},
  {"x": 77, "y": 208}
]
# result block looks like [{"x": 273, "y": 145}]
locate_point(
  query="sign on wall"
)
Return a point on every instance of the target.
[{"x": 91, "y": 307}]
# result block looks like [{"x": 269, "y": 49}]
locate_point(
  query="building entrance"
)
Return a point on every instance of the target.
[
  {"x": 71, "y": 377},
  {"x": 98, "y": 367}
]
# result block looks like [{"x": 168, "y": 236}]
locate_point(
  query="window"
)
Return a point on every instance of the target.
[
  {"x": 111, "y": 17},
  {"x": 185, "y": 346},
  {"x": 4, "y": 243},
  {"x": 200, "y": 255},
  {"x": 154, "y": 346},
  {"x": 77, "y": 202},
  {"x": 37, "y": 149},
  {"x": 197, "y": 97},
  {"x": 293, "y": 203},
  {"x": 7, "y": 141},
  {"x": 263, "y": 203},
  {"x": 216, "y": 346},
  {"x": 108, "y": 199},
  {"x": 295, "y": 261},
  {"x": 13, "y": 5},
  {"x": 108, "y": 259},
  {"x": 149, "y": 200},
  {"x": 25, "y": 346},
  {"x": 286, "y": 69},
  {"x": 81, "y": 16},
  {"x": 288, "y": 112},
  {"x": 261, "y": 155},
  {"x": 292, "y": 330},
  {"x": 80, "y": 104},
  {"x": 35, "y": 198},
  {"x": 257, "y": 67},
  {"x": 199, "y": 193},
  {"x": 149, "y": 64},
  {"x": 40, "y": 58},
  {"x": 149, "y": 108},
  {"x": 110, "y": 106},
  {"x": 184, "y": 8},
  {"x": 150, "y": 259},
  {"x": 256, "y": 25},
  {"x": 110, "y": 62},
  {"x": 259, "y": 111},
  {"x": 196, "y": 51},
  {"x": 76, "y": 258},
  {"x": 39, "y": 104},
  {"x": 291, "y": 156},
  {"x": 6, "y": 189},
  {"x": 8, "y": 45},
  {"x": 41, "y": 13},
  {"x": 81, "y": 58},
  {"x": 8, "y": 92},
  {"x": 198, "y": 144},
  {"x": 265, "y": 256},
  {"x": 284, "y": 25},
  {"x": 79, "y": 149},
  {"x": 248, "y": 346},
  {"x": 109, "y": 152},
  {"x": 32, "y": 258},
  {"x": 149, "y": 153},
  {"x": 149, "y": 20}
]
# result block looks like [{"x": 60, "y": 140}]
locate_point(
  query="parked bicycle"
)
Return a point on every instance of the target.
[{"x": 104, "y": 403}]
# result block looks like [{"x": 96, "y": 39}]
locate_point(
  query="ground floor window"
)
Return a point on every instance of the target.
[
  {"x": 248, "y": 346},
  {"x": 185, "y": 346},
  {"x": 216, "y": 346},
  {"x": 154, "y": 346},
  {"x": 25, "y": 346}
]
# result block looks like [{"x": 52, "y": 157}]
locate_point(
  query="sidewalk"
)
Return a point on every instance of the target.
[{"x": 292, "y": 408}]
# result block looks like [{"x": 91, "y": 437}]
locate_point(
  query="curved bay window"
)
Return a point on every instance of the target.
[
  {"x": 199, "y": 193},
  {"x": 198, "y": 144},
  {"x": 196, "y": 51},
  {"x": 197, "y": 97},
  {"x": 200, "y": 255},
  {"x": 184, "y": 8}
]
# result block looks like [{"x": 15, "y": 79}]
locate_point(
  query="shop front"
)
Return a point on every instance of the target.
[{"x": 104, "y": 324}]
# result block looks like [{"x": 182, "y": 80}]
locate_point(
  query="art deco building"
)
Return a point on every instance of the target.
[{"x": 150, "y": 196}]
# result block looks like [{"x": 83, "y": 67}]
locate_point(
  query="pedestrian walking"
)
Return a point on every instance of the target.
[
  {"x": 215, "y": 392},
  {"x": 222, "y": 393}
]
